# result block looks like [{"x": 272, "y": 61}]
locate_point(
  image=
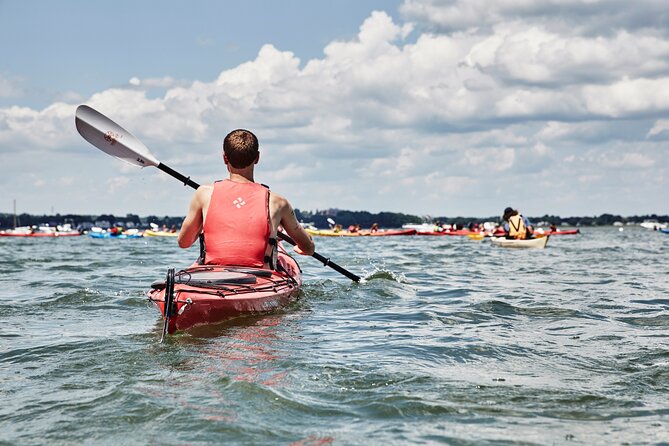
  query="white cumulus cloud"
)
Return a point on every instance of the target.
[
  {"x": 472, "y": 96},
  {"x": 661, "y": 128}
]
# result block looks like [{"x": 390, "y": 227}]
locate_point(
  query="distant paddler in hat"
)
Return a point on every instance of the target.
[{"x": 516, "y": 226}]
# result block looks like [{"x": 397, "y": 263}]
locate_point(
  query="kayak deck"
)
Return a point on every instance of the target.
[{"x": 208, "y": 294}]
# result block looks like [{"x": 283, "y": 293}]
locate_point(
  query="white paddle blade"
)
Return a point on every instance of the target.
[{"x": 111, "y": 138}]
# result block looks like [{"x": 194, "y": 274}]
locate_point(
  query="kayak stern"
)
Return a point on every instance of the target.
[{"x": 206, "y": 294}]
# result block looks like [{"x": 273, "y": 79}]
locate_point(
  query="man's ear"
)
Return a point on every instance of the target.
[
  {"x": 257, "y": 158},
  {"x": 225, "y": 159}
]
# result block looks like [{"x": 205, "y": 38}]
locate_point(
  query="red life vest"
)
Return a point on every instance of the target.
[{"x": 237, "y": 227}]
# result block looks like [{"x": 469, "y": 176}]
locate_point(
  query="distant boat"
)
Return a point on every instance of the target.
[
  {"x": 653, "y": 224},
  {"x": 130, "y": 233},
  {"x": 425, "y": 227},
  {"x": 41, "y": 231},
  {"x": 308, "y": 225},
  {"x": 428, "y": 227}
]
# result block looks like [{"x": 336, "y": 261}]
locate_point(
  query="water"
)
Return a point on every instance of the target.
[{"x": 449, "y": 341}]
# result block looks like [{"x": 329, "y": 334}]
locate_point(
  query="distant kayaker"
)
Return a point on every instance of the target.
[
  {"x": 374, "y": 227},
  {"x": 239, "y": 217},
  {"x": 516, "y": 226}
]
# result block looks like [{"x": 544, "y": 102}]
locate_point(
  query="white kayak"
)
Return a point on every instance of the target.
[{"x": 513, "y": 243}]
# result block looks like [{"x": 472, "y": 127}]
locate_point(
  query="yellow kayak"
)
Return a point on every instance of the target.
[
  {"x": 150, "y": 233},
  {"x": 330, "y": 233}
]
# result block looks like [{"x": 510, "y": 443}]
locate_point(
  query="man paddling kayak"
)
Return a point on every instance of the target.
[
  {"x": 516, "y": 226},
  {"x": 238, "y": 217}
]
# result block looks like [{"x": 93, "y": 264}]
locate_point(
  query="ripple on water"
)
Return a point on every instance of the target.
[{"x": 446, "y": 341}]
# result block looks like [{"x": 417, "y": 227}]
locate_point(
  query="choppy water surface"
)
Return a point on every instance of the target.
[{"x": 449, "y": 341}]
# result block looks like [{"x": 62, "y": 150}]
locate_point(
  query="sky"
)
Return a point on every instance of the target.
[{"x": 426, "y": 107}]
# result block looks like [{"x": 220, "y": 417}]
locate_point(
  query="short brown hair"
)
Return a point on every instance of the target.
[{"x": 241, "y": 148}]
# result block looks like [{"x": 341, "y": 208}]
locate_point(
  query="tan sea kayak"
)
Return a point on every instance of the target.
[{"x": 513, "y": 243}]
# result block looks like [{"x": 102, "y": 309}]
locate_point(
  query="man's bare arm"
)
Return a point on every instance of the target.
[
  {"x": 192, "y": 224},
  {"x": 295, "y": 230}
]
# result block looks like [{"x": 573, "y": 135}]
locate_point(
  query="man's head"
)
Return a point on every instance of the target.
[
  {"x": 240, "y": 148},
  {"x": 508, "y": 212}
]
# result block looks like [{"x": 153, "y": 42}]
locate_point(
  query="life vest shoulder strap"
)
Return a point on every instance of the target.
[{"x": 271, "y": 257}]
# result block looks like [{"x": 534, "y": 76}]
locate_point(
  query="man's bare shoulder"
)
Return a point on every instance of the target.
[
  {"x": 205, "y": 190},
  {"x": 277, "y": 200},
  {"x": 202, "y": 195}
]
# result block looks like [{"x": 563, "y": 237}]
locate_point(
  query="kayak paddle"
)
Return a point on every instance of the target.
[{"x": 114, "y": 140}]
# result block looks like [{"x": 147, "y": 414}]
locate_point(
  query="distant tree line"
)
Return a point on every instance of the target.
[
  {"x": 88, "y": 221},
  {"x": 317, "y": 218},
  {"x": 396, "y": 220},
  {"x": 363, "y": 218}
]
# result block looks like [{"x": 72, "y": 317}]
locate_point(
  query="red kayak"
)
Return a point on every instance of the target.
[
  {"x": 39, "y": 234},
  {"x": 207, "y": 294},
  {"x": 456, "y": 232},
  {"x": 362, "y": 233},
  {"x": 388, "y": 232},
  {"x": 557, "y": 232}
]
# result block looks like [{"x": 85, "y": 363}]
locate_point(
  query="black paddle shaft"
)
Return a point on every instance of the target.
[
  {"x": 285, "y": 237},
  {"x": 186, "y": 180},
  {"x": 323, "y": 260}
]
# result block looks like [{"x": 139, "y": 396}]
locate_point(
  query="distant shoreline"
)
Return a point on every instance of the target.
[{"x": 318, "y": 219}]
